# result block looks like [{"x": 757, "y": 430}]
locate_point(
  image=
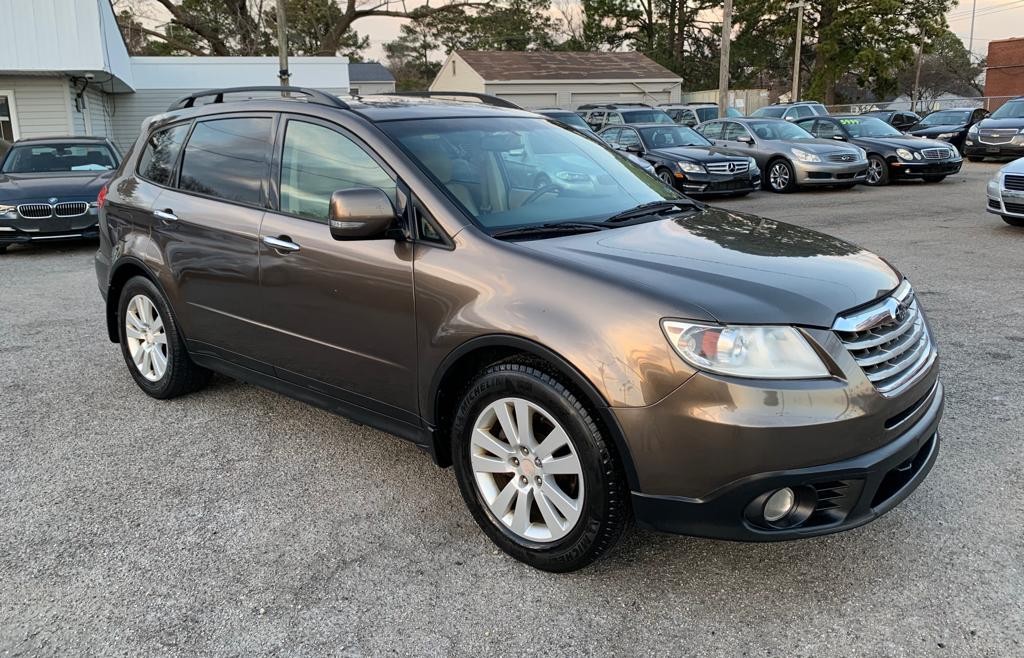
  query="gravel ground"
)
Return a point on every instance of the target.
[{"x": 237, "y": 521}]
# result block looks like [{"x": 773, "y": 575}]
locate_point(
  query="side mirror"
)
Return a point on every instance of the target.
[
  {"x": 361, "y": 213},
  {"x": 839, "y": 138},
  {"x": 746, "y": 139},
  {"x": 635, "y": 148}
]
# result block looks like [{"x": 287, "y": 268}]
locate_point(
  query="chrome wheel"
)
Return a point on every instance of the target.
[
  {"x": 146, "y": 338},
  {"x": 779, "y": 176},
  {"x": 527, "y": 470},
  {"x": 875, "y": 171}
]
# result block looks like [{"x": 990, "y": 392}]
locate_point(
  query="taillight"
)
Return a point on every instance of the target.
[{"x": 101, "y": 198}]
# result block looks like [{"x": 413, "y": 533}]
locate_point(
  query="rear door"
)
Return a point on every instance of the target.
[
  {"x": 207, "y": 228},
  {"x": 340, "y": 314}
]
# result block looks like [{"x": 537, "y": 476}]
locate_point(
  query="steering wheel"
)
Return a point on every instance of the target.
[{"x": 541, "y": 192}]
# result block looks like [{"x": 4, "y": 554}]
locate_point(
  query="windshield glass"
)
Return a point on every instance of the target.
[
  {"x": 571, "y": 119},
  {"x": 868, "y": 127},
  {"x": 943, "y": 117},
  {"x": 669, "y": 136},
  {"x": 647, "y": 116},
  {"x": 511, "y": 172},
  {"x": 779, "y": 130},
  {"x": 50, "y": 158},
  {"x": 1010, "y": 110},
  {"x": 775, "y": 112}
]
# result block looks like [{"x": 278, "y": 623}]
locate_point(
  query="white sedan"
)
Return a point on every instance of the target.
[{"x": 1006, "y": 193}]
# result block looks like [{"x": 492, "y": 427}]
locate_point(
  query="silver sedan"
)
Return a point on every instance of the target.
[{"x": 1006, "y": 193}]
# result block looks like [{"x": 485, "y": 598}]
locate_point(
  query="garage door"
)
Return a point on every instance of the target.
[{"x": 531, "y": 101}]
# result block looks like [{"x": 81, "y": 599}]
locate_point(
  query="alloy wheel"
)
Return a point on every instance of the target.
[
  {"x": 779, "y": 176},
  {"x": 874, "y": 176},
  {"x": 146, "y": 337},
  {"x": 666, "y": 177},
  {"x": 527, "y": 470}
]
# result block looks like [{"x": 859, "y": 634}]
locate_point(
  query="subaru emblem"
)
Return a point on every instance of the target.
[{"x": 52, "y": 199}]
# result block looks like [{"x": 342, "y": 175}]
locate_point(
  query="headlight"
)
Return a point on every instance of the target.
[
  {"x": 690, "y": 167},
  {"x": 740, "y": 351},
  {"x": 904, "y": 154},
  {"x": 4, "y": 210},
  {"x": 804, "y": 156},
  {"x": 863, "y": 153},
  {"x": 993, "y": 187},
  {"x": 945, "y": 135},
  {"x": 973, "y": 130},
  {"x": 753, "y": 163}
]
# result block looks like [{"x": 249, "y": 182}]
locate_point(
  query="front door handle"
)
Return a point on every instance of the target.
[
  {"x": 166, "y": 214},
  {"x": 282, "y": 243}
]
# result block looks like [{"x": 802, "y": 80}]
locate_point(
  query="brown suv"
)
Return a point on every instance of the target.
[{"x": 584, "y": 346}]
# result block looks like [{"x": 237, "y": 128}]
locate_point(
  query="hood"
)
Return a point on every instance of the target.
[
  {"x": 696, "y": 153},
  {"x": 907, "y": 141},
  {"x": 28, "y": 188},
  {"x": 820, "y": 146},
  {"x": 1015, "y": 167},
  {"x": 740, "y": 268},
  {"x": 928, "y": 131},
  {"x": 996, "y": 124}
]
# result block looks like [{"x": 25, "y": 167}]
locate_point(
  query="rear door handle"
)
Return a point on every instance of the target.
[
  {"x": 282, "y": 243},
  {"x": 167, "y": 215}
]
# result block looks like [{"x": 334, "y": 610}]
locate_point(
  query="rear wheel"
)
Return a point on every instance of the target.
[
  {"x": 1013, "y": 221},
  {"x": 933, "y": 179},
  {"x": 151, "y": 344},
  {"x": 781, "y": 177},
  {"x": 537, "y": 472},
  {"x": 3, "y": 248},
  {"x": 878, "y": 171}
]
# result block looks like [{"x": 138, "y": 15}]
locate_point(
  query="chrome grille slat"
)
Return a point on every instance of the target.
[
  {"x": 35, "y": 210},
  {"x": 71, "y": 208},
  {"x": 723, "y": 167},
  {"x": 841, "y": 157},
  {"x": 991, "y": 136},
  {"x": 936, "y": 153},
  {"x": 1014, "y": 182},
  {"x": 889, "y": 340}
]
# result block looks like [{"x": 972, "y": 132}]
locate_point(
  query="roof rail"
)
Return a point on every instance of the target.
[
  {"x": 312, "y": 96},
  {"x": 486, "y": 99}
]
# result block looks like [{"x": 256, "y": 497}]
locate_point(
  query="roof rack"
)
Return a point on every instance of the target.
[
  {"x": 312, "y": 96},
  {"x": 486, "y": 99},
  {"x": 611, "y": 105}
]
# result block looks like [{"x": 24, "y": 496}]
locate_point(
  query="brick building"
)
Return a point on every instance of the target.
[{"x": 1004, "y": 73}]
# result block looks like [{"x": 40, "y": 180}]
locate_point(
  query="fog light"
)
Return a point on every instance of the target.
[{"x": 779, "y": 505}]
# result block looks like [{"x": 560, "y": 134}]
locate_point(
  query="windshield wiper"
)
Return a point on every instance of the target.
[
  {"x": 551, "y": 228},
  {"x": 654, "y": 208}
]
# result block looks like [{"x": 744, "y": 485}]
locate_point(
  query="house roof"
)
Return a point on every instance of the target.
[
  {"x": 564, "y": 65},
  {"x": 368, "y": 72}
]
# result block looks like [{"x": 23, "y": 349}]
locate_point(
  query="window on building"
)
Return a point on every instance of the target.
[
  {"x": 7, "y": 128},
  {"x": 227, "y": 158}
]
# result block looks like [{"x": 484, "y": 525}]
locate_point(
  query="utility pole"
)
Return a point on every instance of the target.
[
  {"x": 970, "y": 42},
  {"x": 282, "y": 44},
  {"x": 723, "y": 66},
  {"x": 915, "y": 97},
  {"x": 799, "y": 6}
]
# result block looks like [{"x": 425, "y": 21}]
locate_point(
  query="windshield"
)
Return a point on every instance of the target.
[
  {"x": 571, "y": 119},
  {"x": 943, "y": 117},
  {"x": 647, "y": 116},
  {"x": 868, "y": 127},
  {"x": 783, "y": 130},
  {"x": 775, "y": 112},
  {"x": 51, "y": 158},
  {"x": 669, "y": 136},
  {"x": 1010, "y": 110},
  {"x": 512, "y": 172}
]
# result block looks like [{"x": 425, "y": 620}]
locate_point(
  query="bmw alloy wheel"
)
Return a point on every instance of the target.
[
  {"x": 146, "y": 337},
  {"x": 526, "y": 470}
]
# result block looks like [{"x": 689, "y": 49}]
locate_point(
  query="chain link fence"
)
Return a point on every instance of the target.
[{"x": 923, "y": 106}]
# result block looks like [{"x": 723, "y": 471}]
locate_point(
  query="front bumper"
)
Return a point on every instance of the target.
[
  {"x": 977, "y": 149},
  {"x": 828, "y": 173},
  {"x": 718, "y": 184},
  {"x": 918, "y": 169},
  {"x": 17, "y": 229},
  {"x": 1006, "y": 205}
]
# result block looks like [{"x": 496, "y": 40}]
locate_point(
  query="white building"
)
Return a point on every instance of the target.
[
  {"x": 65, "y": 70},
  {"x": 558, "y": 78}
]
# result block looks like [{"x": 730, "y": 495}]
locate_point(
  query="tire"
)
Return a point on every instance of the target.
[
  {"x": 975, "y": 158},
  {"x": 780, "y": 177},
  {"x": 595, "y": 493},
  {"x": 878, "y": 171},
  {"x": 933, "y": 179},
  {"x": 3, "y": 248},
  {"x": 155, "y": 330},
  {"x": 666, "y": 177},
  {"x": 1013, "y": 221}
]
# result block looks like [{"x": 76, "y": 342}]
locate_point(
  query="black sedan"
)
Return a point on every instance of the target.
[
  {"x": 949, "y": 125},
  {"x": 891, "y": 154},
  {"x": 998, "y": 136},
  {"x": 49, "y": 188},
  {"x": 898, "y": 119},
  {"x": 686, "y": 160}
]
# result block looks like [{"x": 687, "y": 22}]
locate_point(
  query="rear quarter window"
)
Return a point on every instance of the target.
[{"x": 156, "y": 164}]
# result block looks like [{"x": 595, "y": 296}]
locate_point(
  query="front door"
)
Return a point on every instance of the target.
[{"x": 341, "y": 314}]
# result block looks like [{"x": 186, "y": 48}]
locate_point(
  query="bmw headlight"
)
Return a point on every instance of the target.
[
  {"x": 772, "y": 352},
  {"x": 804, "y": 156},
  {"x": 690, "y": 167},
  {"x": 7, "y": 210},
  {"x": 904, "y": 154},
  {"x": 946, "y": 136}
]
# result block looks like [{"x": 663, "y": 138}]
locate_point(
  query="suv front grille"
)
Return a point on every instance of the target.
[
  {"x": 35, "y": 210},
  {"x": 936, "y": 154},
  {"x": 990, "y": 136},
  {"x": 1014, "y": 182},
  {"x": 889, "y": 340},
  {"x": 728, "y": 167}
]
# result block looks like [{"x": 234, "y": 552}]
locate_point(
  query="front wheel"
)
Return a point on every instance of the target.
[
  {"x": 975, "y": 158},
  {"x": 538, "y": 473},
  {"x": 666, "y": 177},
  {"x": 933, "y": 179},
  {"x": 878, "y": 171},
  {"x": 1013, "y": 221},
  {"x": 781, "y": 177}
]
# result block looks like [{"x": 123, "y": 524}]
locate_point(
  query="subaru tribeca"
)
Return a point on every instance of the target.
[{"x": 582, "y": 354}]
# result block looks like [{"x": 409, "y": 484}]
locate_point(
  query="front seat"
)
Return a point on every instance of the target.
[{"x": 441, "y": 166}]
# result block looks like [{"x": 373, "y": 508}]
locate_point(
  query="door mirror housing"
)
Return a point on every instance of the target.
[
  {"x": 746, "y": 139},
  {"x": 634, "y": 148},
  {"x": 839, "y": 138},
  {"x": 361, "y": 213}
]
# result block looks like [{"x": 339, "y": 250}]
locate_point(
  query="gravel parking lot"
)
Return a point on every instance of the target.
[{"x": 236, "y": 521}]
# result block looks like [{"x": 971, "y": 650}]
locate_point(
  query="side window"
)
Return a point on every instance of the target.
[
  {"x": 157, "y": 161},
  {"x": 596, "y": 118},
  {"x": 227, "y": 159},
  {"x": 425, "y": 225},
  {"x": 614, "y": 117},
  {"x": 824, "y": 129},
  {"x": 629, "y": 138},
  {"x": 711, "y": 130},
  {"x": 801, "y": 111},
  {"x": 611, "y": 135},
  {"x": 733, "y": 131},
  {"x": 316, "y": 162}
]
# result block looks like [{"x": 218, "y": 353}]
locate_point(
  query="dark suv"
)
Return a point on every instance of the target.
[{"x": 583, "y": 352}]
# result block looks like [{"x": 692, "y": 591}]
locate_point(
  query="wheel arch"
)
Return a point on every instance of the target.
[
  {"x": 126, "y": 268},
  {"x": 455, "y": 371}
]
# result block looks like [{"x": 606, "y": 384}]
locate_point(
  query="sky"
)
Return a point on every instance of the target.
[{"x": 994, "y": 19}]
